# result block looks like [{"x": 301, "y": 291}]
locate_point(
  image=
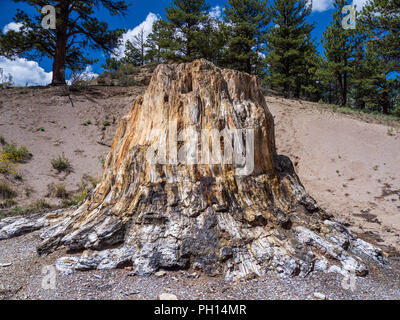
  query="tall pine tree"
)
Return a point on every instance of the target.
[
  {"x": 76, "y": 29},
  {"x": 246, "y": 23},
  {"x": 291, "y": 50},
  {"x": 182, "y": 30},
  {"x": 339, "y": 51},
  {"x": 380, "y": 23}
]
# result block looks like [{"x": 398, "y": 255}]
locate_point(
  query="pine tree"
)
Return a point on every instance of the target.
[
  {"x": 76, "y": 29},
  {"x": 339, "y": 50},
  {"x": 380, "y": 23},
  {"x": 291, "y": 56},
  {"x": 133, "y": 54},
  {"x": 154, "y": 41},
  {"x": 182, "y": 30},
  {"x": 363, "y": 78},
  {"x": 138, "y": 48},
  {"x": 246, "y": 24}
]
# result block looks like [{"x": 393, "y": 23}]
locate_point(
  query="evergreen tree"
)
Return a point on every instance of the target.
[
  {"x": 292, "y": 57},
  {"x": 246, "y": 23},
  {"x": 339, "y": 50},
  {"x": 380, "y": 24},
  {"x": 76, "y": 28},
  {"x": 213, "y": 40},
  {"x": 133, "y": 54},
  {"x": 137, "y": 49},
  {"x": 182, "y": 30},
  {"x": 154, "y": 42},
  {"x": 363, "y": 78}
]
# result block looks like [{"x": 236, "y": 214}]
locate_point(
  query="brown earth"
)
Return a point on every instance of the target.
[{"x": 351, "y": 166}]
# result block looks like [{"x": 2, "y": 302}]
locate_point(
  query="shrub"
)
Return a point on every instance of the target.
[
  {"x": 76, "y": 200},
  {"x": 6, "y": 165},
  {"x": 106, "y": 123},
  {"x": 7, "y": 204},
  {"x": 16, "y": 154},
  {"x": 38, "y": 206},
  {"x": 58, "y": 191},
  {"x": 6, "y": 192},
  {"x": 61, "y": 163}
]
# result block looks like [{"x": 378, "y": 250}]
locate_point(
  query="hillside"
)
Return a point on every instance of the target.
[{"x": 349, "y": 164}]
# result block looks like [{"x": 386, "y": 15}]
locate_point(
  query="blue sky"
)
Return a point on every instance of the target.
[{"x": 139, "y": 13}]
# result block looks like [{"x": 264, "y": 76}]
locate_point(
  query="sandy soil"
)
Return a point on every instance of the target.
[
  {"x": 24, "y": 111},
  {"x": 351, "y": 167}
]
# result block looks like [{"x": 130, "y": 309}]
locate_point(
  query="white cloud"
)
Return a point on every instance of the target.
[
  {"x": 360, "y": 4},
  {"x": 25, "y": 72},
  {"x": 146, "y": 25},
  {"x": 321, "y": 5},
  {"x": 86, "y": 75},
  {"x": 12, "y": 26},
  {"x": 216, "y": 12}
]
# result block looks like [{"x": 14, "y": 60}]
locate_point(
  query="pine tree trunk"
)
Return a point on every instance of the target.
[
  {"x": 61, "y": 46},
  {"x": 385, "y": 101}
]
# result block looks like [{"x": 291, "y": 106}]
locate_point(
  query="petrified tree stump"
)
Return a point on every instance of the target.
[{"x": 193, "y": 181}]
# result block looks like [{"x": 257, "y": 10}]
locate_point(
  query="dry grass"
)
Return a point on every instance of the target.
[
  {"x": 58, "y": 191},
  {"x": 6, "y": 192}
]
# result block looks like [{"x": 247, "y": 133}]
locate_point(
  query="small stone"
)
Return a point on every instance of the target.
[
  {"x": 5, "y": 264},
  {"x": 160, "y": 274},
  {"x": 97, "y": 276},
  {"x": 131, "y": 292},
  {"x": 320, "y": 296},
  {"x": 167, "y": 296},
  {"x": 194, "y": 275}
]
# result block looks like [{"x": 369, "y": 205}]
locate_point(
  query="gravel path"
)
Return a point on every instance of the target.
[{"x": 23, "y": 280}]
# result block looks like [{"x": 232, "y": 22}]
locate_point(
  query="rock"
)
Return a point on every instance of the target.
[
  {"x": 132, "y": 292},
  {"x": 167, "y": 296},
  {"x": 193, "y": 180},
  {"x": 320, "y": 296},
  {"x": 160, "y": 274},
  {"x": 2, "y": 265},
  {"x": 17, "y": 226},
  {"x": 194, "y": 275}
]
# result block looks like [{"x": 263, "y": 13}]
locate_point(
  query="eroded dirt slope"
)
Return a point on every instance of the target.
[
  {"x": 351, "y": 167},
  {"x": 50, "y": 125}
]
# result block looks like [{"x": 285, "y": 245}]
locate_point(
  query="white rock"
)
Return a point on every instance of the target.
[
  {"x": 320, "y": 296},
  {"x": 5, "y": 264},
  {"x": 160, "y": 273},
  {"x": 167, "y": 296}
]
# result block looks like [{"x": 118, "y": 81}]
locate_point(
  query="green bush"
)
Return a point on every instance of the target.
[
  {"x": 76, "y": 200},
  {"x": 38, "y": 205},
  {"x": 16, "y": 154},
  {"x": 61, "y": 163}
]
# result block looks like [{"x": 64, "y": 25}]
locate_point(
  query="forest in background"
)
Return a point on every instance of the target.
[{"x": 357, "y": 68}]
